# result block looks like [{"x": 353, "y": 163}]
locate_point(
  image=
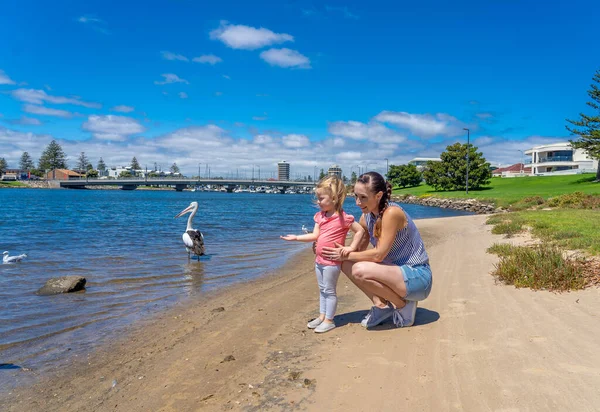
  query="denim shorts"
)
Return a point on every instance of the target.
[{"x": 418, "y": 281}]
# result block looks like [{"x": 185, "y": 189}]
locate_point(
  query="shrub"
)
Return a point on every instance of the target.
[{"x": 540, "y": 267}]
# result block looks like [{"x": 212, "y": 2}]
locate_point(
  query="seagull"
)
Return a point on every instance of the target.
[
  {"x": 12, "y": 259},
  {"x": 193, "y": 239},
  {"x": 304, "y": 229}
]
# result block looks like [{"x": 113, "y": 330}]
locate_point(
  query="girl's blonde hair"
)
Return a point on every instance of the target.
[{"x": 334, "y": 186}]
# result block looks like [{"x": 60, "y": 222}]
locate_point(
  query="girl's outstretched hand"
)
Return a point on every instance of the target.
[{"x": 289, "y": 237}]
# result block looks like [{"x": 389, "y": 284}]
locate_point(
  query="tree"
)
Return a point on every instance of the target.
[
  {"x": 134, "y": 164},
  {"x": 3, "y": 166},
  {"x": 89, "y": 166},
  {"x": 321, "y": 174},
  {"x": 101, "y": 165},
  {"x": 53, "y": 157},
  {"x": 174, "y": 168},
  {"x": 588, "y": 127},
  {"x": 125, "y": 173},
  {"x": 404, "y": 176},
  {"x": 26, "y": 162},
  {"x": 92, "y": 173},
  {"x": 82, "y": 162},
  {"x": 450, "y": 173},
  {"x": 353, "y": 178}
]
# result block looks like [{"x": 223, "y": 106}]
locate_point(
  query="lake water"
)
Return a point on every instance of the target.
[{"x": 128, "y": 246}]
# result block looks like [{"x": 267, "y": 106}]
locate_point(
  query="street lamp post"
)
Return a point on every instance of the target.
[
  {"x": 387, "y": 167},
  {"x": 468, "y": 146},
  {"x": 521, "y": 159},
  {"x": 199, "y": 164},
  {"x": 315, "y": 174}
]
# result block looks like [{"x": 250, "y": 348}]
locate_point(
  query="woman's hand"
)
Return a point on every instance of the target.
[
  {"x": 336, "y": 253},
  {"x": 289, "y": 237}
]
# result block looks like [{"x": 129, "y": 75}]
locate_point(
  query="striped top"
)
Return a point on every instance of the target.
[{"x": 407, "y": 249}]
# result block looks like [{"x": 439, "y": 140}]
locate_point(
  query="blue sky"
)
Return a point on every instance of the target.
[{"x": 234, "y": 84}]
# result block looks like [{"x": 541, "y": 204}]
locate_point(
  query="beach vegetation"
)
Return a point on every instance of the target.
[
  {"x": 451, "y": 172},
  {"x": 587, "y": 127},
  {"x": 542, "y": 266},
  {"x": 53, "y": 157},
  {"x": 404, "y": 175}
]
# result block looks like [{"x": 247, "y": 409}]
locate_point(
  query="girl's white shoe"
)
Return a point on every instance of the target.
[
  {"x": 324, "y": 327},
  {"x": 314, "y": 323}
]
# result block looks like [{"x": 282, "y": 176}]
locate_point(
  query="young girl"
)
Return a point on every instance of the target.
[{"x": 331, "y": 226}]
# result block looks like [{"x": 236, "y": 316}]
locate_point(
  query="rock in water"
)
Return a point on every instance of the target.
[{"x": 63, "y": 284}]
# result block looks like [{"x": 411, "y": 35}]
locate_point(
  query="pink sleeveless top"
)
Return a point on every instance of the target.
[{"x": 331, "y": 229}]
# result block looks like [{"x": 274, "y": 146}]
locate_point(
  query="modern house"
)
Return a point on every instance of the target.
[
  {"x": 559, "y": 158},
  {"x": 421, "y": 162}
]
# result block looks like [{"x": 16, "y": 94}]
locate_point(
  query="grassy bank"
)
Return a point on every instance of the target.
[
  {"x": 504, "y": 192},
  {"x": 11, "y": 184}
]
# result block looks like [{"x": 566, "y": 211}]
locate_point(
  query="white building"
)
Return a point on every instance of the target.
[
  {"x": 335, "y": 170},
  {"x": 283, "y": 171},
  {"x": 559, "y": 158},
  {"x": 421, "y": 162}
]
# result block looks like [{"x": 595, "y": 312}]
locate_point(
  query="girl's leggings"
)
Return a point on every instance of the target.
[{"x": 327, "y": 277}]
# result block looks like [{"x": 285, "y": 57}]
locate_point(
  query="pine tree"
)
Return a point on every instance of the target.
[
  {"x": 3, "y": 166},
  {"x": 101, "y": 165},
  {"x": 322, "y": 174},
  {"x": 174, "y": 168},
  {"x": 53, "y": 157},
  {"x": 588, "y": 127},
  {"x": 353, "y": 177},
  {"x": 26, "y": 162},
  {"x": 82, "y": 162},
  {"x": 134, "y": 164}
]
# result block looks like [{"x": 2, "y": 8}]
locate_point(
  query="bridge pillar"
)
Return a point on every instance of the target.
[
  {"x": 128, "y": 187},
  {"x": 229, "y": 188},
  {"x": 180, "y": 188},
  {"x": 282, "y": 189}
]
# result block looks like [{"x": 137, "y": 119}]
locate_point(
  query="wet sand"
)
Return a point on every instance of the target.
[{"x": 476, "y": 346}]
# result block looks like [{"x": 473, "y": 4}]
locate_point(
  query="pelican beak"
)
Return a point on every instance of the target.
[{"x": 184, "y": 211}]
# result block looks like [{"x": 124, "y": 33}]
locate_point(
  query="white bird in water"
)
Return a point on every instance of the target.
[
  {"x": 193, "y": 239},
  {"x": 304, "y": 229},
  {"x": 12, "y": 259}
]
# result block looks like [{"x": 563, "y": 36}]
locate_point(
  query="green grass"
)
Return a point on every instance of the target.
[
  {"x": 11, "y": 184},
  {"x": 505, "y": 192},
  {"x": 539, "y": 267}
]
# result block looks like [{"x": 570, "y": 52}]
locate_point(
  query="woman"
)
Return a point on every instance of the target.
[{"x": 395, "y": 273}]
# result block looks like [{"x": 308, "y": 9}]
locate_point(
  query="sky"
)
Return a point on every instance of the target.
[{"x": 237, "y": 85}]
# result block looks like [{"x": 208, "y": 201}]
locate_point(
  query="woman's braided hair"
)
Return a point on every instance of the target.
[{"x": 376, "y": 183}]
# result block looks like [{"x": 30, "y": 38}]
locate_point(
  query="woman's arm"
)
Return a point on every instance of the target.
[
  {"x": 393, "y": 220},
  {"x": 308, "y": 237}
]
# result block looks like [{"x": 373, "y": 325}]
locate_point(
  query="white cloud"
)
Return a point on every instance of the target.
[
  {"x": 484, "y": 116},
  {"x": 39, "y": 97},
  {"x": 94, "y": 23},
  {"x": 348, "y": 156},
  {"x": 424, "y": 125},
  {"x": 112, "y": 127},
  {"x": 171, "y": 78},
  {"x": 260, "y": 118},
  {"x": 173, "y": 56},
  {"x": 183, "y": 95},
  {"x": 374, "y": 132},
  {"x": 4, "y": 79},
  {"x": 295, "y": 140},
  {"x": 208, "y": 58},
  {"x": 262, "y": 139},
  {"x": 285, "y": 58},
  {"x": 246, "y": 37},
  {"x": 344, "y": 10},
  {"x": 46, "y": 111},
  {"x": 123, "y": 109},
  {"x": 226, "y": 77},
  {"x": 25, "y": 121}
]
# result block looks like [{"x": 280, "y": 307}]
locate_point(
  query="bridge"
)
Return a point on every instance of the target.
[{"x": 180, "y": 183}]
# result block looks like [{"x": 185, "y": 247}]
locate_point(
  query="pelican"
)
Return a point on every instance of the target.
[
  {"x": 12, "y": 259},
  {"x": 193, "y": 239}
]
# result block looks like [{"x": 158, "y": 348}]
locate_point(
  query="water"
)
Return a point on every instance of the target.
[{"x": 128, "y": 246}]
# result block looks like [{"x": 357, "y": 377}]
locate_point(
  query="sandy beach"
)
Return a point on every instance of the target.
[{"x": 476, "y": 346}]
